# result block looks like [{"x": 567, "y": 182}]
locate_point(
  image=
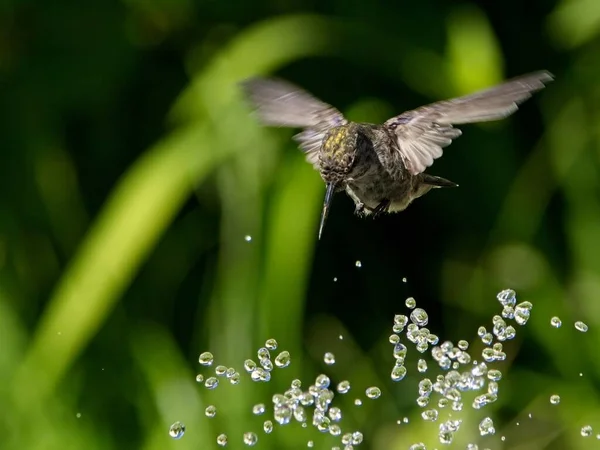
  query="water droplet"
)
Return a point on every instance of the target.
[
  {"x": 486, "y": 427},
  {"x": 206, "y": 359},
  {"x": 580, "y": 326},
  {"x": 260, "y": 374},
  {"x": 329, "y": 358},
  {"x": 343, "y": 387},
  {"x": 271, "y": 344},
  {"x": 373, "y": 392},
  {"x": 322, "y": 381},
  {"x": 522, "y": 312},
  {"x": 268, "y": 426},
  {"x": 357, "y": 438},
  {"x": 283, "y": 359},
  {"x": 410, "y": 302},
  {"x": 555, "y": 399},
  {"x": 177, "y": 430},
  {"x": 394, "y": 339},
  {"x": 310, "y": 444},
  {"x": 463, "y": 345},
  {"x": 78, "y": 415},
  {"x": 235, "y": 378},
  {"x": 248, "y": 238},
  {"x": 210, "y": 411},
  {"x": 418, "y": 446},
  {"x": 404, "y": 279},
  {"x": 335, "y": 279},
  {"x": 419, "y": 317},
  {"x": 422, "y": 365},
  {"x": 263, "y": 353},
  {"x": 340, "y": 337},
  {"x": 430, "y": 415},
  {"x": 258, "y": 409},
  {"x": 556, "y": 322},
  {"x": 398, "y": 373},
  {"x": 507, "y": 297},
  {"x": 358, "y": 402},
  {"x": 249, "y": 365},
  {"x": 586, "y": 431},
  {"x": 211, "y": 383},
  {"x": 335, "y": 430},
  {"x": 250, "y": 438},
  {"x": 220, "y": 371},
  {"x": 358, "y": 264},
  {"x": 222, "y": 440},
  {"x": 335, "y": 414}
]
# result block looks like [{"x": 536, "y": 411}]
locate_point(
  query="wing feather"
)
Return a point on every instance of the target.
[
  {"x": 280, "y": 103},
  {"x": 423, "y": 132}
]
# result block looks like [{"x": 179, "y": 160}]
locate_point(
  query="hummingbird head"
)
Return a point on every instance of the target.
[{"x": 336, "y": 160}]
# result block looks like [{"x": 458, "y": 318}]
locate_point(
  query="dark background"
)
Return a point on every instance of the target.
[{"x": 131, "y": 172}]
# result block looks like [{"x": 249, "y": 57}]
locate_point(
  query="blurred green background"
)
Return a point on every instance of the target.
[{"x": 132, "y": 172}]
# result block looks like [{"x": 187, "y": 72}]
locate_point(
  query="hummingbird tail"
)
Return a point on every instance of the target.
[{"x": 432, "y": 180}]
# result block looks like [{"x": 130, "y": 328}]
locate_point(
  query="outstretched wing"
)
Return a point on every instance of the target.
[
  {"x": 281, "y": 103},
  {"x": 423, "y": 133}
]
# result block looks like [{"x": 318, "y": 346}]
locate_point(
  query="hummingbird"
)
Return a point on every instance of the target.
[{"x": 381, "y": 166}]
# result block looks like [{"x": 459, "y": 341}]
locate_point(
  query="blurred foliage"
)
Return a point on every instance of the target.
[{"x": 132, "y": 172}]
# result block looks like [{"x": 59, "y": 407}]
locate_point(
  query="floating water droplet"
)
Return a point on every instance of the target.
[
  {"x": 210, "y": 411},
  {"x": 268, "y": 426},
  {"x": 357, "y": 438},
  {"x": 310, "y": 444},
  {"x": 78, "y": 415},
  {"x": 430, "y": 415},
  {"x": 260, "y": 374},
  {"x": 358, "y": 402},
  {"x": 343, "y": 387},
  {"x": 522, "y": 312},
  {"x": 335, "y": 430},
  {"x": 199, "y": 378},
  {"x": 410, "y": 302},
  {"x": 249, "y": 365},
  {"x": 335, "y": 414},
  {"x": 494, "y": 375},
  {"x": 419, "y": 317},
  {"x": 258, "y": 409},
  {"x": 404, "y": 279},
  {"x": 556, "y": 322},
  {"x": 335, "y": 279},
  {"x": 398, "y": 373},
  {"x": 206, "y": 359},
  {"x": 283, "y": 359},
  {"x": 220, "y": 371},
  {"x": 422, "y": 366},
  {"x": 248, "y": 238},
  {"x": 373, "y": 392},
  {"x": 322, "y": 381},
  {"x": 463, "y": 345},
  {"x": 486, "y": 427},
  {"x": 340, "y": 337},
  {"x": 271, "y": 344},
  {"x": 507, "y": 297},
  {"x": 418, "y": 446},
  {"x": 222, "y": 440},
  {"x": 586, "y": 431},
  {"x": 211, "y": 383},
  {"x": 580, "y": 326},
  {"x": 555, "y": 399},
  {"x": 235, "y": 378},
  {"x": 250, "y": 438},
  {"x": 263, "y": 353},
  {"x": 358, "y": 264},
  {"x": 177, "y": 430},
  {"x": 329, "y": 358}
]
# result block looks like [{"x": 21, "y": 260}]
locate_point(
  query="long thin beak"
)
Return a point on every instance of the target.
[{"x": 326, "y": 204}]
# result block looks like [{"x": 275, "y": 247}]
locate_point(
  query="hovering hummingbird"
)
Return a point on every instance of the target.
[{"x": 381, "y": 167}]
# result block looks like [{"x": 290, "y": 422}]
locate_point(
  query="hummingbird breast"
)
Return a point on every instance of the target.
[{"x": 371, "y": 182}]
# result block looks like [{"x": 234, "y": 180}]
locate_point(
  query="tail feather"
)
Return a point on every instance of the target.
[{"x": 434, "y": 181}]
